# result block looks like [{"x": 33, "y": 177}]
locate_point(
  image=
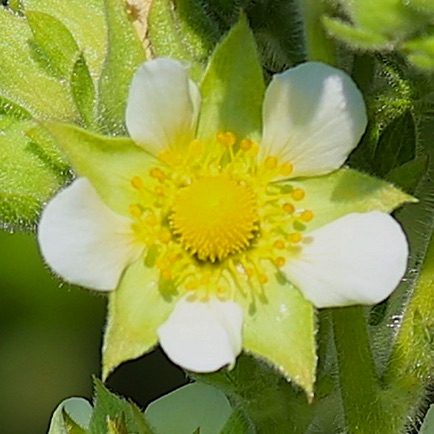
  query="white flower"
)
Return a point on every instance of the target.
[{"x": 207, "y": 216}]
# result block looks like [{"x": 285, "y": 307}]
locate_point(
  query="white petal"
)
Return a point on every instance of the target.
[
  {"x": 163, "y": 105},
  {"x": 203, "y": 336},
  {"x": 357, "y": 259},
  {"x": 83, "y": 241},
  {"x": 314, "y": 116}
]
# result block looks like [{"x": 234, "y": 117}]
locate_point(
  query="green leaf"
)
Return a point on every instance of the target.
[
  {"x": 114, "y": 415},
  {"x": 12, "y": 110},
  {"x": 345, "y": 191},
  {"x": 192, "y": 407},
  {"x": 137, "y": 308},
  {"x": 125, "y": 53},
  {"x": 428, "y": 423},
  {"x": 83, "y": 91},
  {"x": 109, "y": 162},
  {"x": 90, "y": 36},
  {"x": 397, "y": 144},
  {"x": 72, "y": 416},
  {"x": 280, "y": 327},
  {"x": 28, "y": 176},
  {"x": 409, "y": 174},
  {"x": 23, "y": 82},
  {"x": 186, "y": 33},
  {"x": 238, "y": 423},
  {"x": 258, "y": 392},
  {"x": 232, "y": 88},
  {"x": 55, "y": 41}
]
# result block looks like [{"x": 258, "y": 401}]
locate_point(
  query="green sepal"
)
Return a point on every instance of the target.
[
  {"x": 280, "y": 327},
  {"x": 72, "y": 416},
  {"x": 233, "y": 87},
  {"x": 108, "y": 162},
  {"x": 345, "y": 191},
  {"x": 196, "y": 406},
  {"x": 114, "y": 415},
  {"x": 136, "y": 309},
  {"x": 125, "y": 53},
  {"x": 56, "y": 43}
]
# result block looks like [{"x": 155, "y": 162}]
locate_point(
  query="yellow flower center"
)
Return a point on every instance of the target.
[{"x": 215, "y": 217}]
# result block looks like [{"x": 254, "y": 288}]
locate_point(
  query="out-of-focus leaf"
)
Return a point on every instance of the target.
[
  {"x": 409, "y": 174},
  {"x": 125, "y": 53},
  {"x": 114, "y": 415},
  {"x": 193, "y": 407},
  {"x": 72, "y": 416}
]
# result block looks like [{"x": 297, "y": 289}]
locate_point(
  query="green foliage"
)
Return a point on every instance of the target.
[
  {"x": 387, "y": 25},
  {"x": 196, "y": 406}
]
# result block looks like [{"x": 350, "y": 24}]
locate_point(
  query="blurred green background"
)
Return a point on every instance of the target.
[{"x": 50, "y": 340}]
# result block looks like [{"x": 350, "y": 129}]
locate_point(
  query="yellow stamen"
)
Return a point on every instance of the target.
[
  {"x": 279, "y": 261},
  {"x": 298, "y": 194},
  {"x": 288, "y": 207},
  {"x": 227, "y": 138},
  {"x": 295, "y": 237},
  {"x": 137, "y": 182},
  {"x": 306, "y": 216},
  {"x": 215, "y": 217},
  {"x": 279, "y": 244},
  {"x": 270, "y": 163},
  {"x": 135, "y": 210},
  {"x": 246, "y": 144},
  {"x": 157, "y": 173},
  {"x": 286, "y": 169}
]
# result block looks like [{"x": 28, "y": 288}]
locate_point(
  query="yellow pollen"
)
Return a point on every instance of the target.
[
  {"x": 195, "y": 148},
  {"x": 270, "y": 163},
  {"x": 295, "y": 237},
  {"x": 215, "y": 217},
  {"x": 306, "y": 216},
  {"x": 137, "y": 182},
  {"x": 279, "y": 244},
  {"x": 171, "y": 158},
  {"x": 157, "y": 173},
  {"x": 279, "y": 261},
  {"x": 165, "y": 236},
  {"x": 286, "y": 169},
  {"x": 227, "y": 138},
  {"x": 246, "y": 144},
  {"x": 288, "y": 207},
  {"x": 298, "y": 194},
  {"x": 166, "y": 274},
  {"x": 262, "y": 278},
  {"x": 135, "y": 211}
]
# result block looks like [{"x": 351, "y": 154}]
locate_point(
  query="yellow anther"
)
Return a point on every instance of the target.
[
  {"x": 227, "y": 138},
  {"x": 195, "y": 148},
  {"x": 250, "y": 272},
  {"x": 191, "y": 285},
  {"x": 286, "y": 169},
  {"x": 157, "y": 173},
  {"x": 262, "y": 278},
  {"x": 159, "y": 191},
  {"x": 135, "y": 210},
  {"x": 151, "y": 219},
  {"x": 170, "y": 157},
  {"x": 298, "y": 194},
  {"x": 165, "y": 236},
  {"x": 295, "y": 237},
  {"x": 306, "y": 216},
  {"x": 246, "y": 144},
  {"x": 172, "y": 257},
  {"x": 288, "y": 207},
  {"x": 137, "y": 182},
  {"x": 165, "y": 274},
  {"x": 270, "y": 163},
  {"x": 221, "y": 289},
  {"x": 279, "y": 261},
  {"x": 279, "y": 244}
]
